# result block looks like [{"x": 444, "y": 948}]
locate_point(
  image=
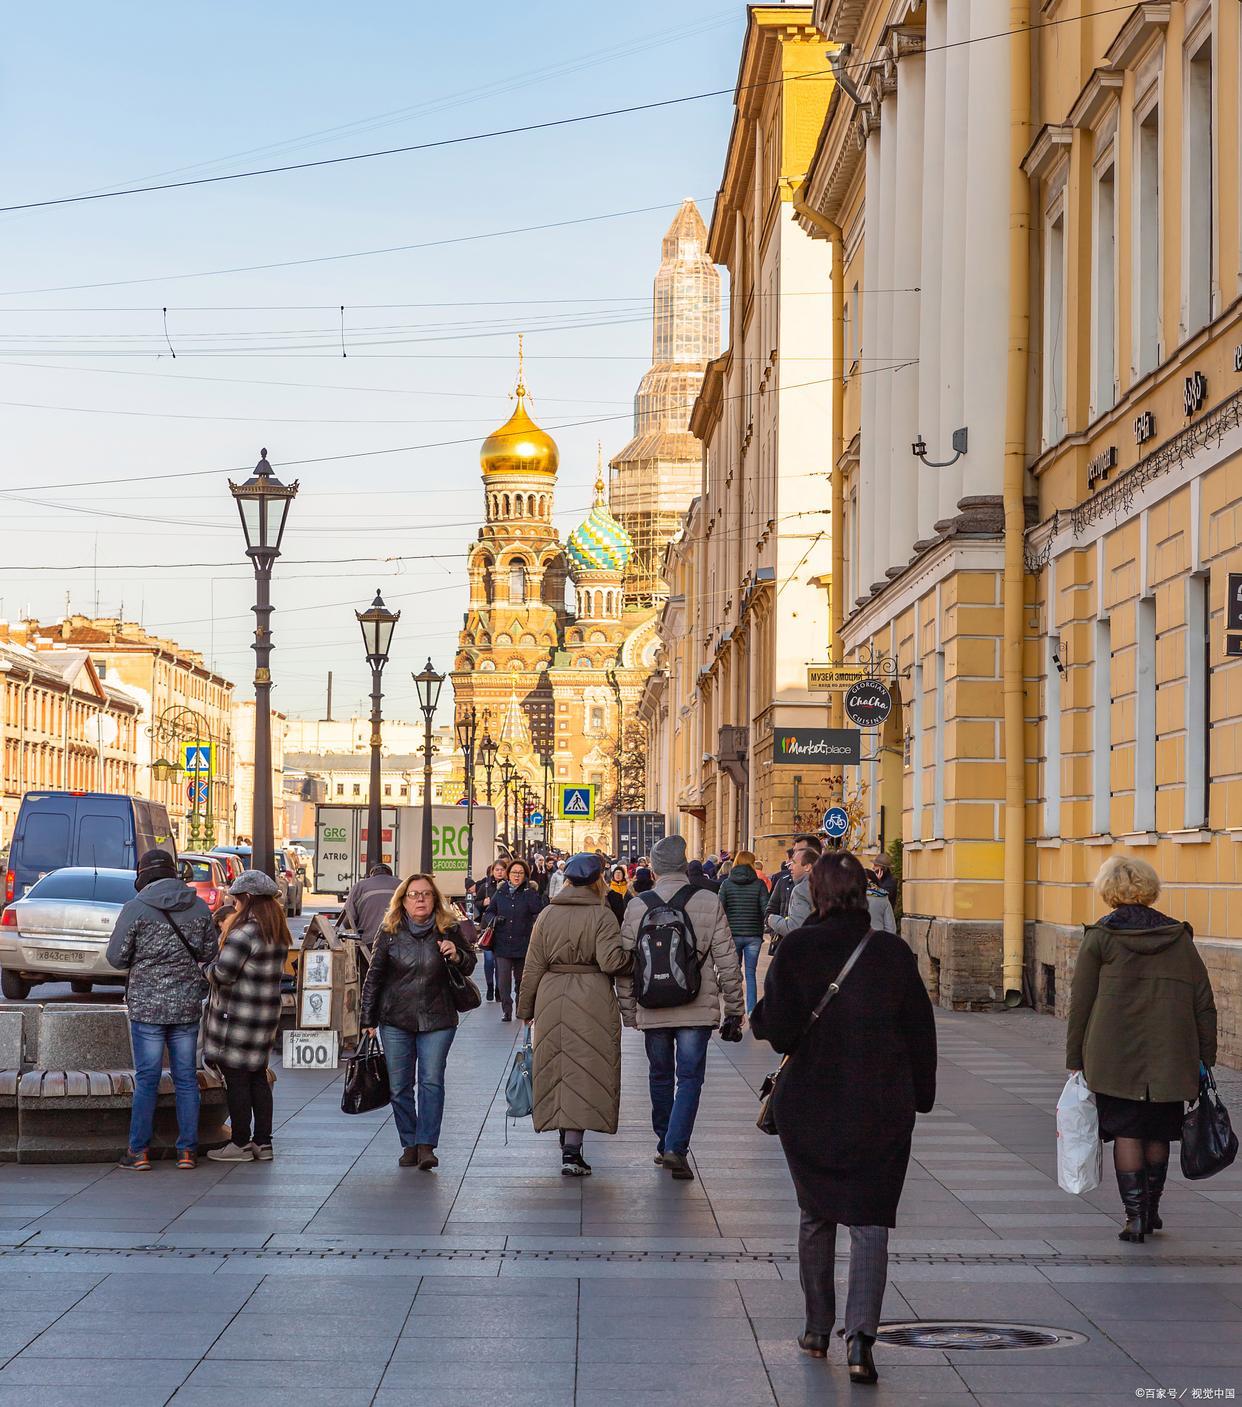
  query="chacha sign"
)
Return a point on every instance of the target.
[{"x": 868, "y": 703}]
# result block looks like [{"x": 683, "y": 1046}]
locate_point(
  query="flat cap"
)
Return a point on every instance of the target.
[
  {"x": 255, "y": 882},
  {"x": 584, "y": 869}
]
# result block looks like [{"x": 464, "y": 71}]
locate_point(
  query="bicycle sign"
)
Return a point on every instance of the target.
[{"x": 836, "y": 822}]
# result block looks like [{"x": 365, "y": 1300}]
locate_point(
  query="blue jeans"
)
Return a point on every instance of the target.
[
  {"x": 678, "y": 1060},
  {"x": 149, "y": 1040},
  {"x": 748, "y": 950},
  {"x": 489, "y": 970},
  {"x": 420, "y": 1058}
]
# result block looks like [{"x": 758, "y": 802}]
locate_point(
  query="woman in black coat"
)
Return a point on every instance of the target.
[
  {"x": 846, "y": 1101},
  {"x": 516, "y": 905}
]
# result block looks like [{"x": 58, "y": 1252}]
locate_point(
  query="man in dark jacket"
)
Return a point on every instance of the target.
[
  {"x": 161, "y": 938},
  {"x": 368, "y": 901},
  {"x": 745, "y": 902}
]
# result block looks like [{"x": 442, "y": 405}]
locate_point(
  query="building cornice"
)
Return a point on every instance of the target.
[
  {"x": 1102, "y": 88},
  {"x": 1145, "y": 24},
  {"x": 1049, "y": 147}
]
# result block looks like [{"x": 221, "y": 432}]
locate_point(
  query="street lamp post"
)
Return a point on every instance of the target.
[
  {"x": 487, "y": 754},
  {"x": 546, "y": 759},
  {"x": 377, "y": 623},
  {"x": 428, "y": 683},
  {"x": 507, "y": 772},
  {"x": 467, "y": 729},
  {"x": 263, "y": 503}
]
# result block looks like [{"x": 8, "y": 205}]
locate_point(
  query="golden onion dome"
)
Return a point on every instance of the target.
[{"x": 519, "y": 445}]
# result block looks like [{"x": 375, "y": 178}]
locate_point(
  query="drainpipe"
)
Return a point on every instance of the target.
[
  {"x": 836, "y": 599},
  {"x": 1014, "y": 493}
]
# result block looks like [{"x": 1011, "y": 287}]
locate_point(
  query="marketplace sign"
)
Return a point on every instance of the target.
[{"x": 817, "y": 747}]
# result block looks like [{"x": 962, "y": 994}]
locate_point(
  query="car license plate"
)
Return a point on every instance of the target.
[{"x": 58, "y": 955}]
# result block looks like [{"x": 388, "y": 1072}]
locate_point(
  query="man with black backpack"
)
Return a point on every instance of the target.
[{"x": 685, "y": 967}]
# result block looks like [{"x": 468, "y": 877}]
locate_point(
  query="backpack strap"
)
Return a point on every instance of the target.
[
  {"x": 681, "y": 898},
  {"x": 651, "y": 899}
]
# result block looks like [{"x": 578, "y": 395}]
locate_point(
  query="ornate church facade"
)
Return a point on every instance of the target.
[{"x": 559, "y": 639}]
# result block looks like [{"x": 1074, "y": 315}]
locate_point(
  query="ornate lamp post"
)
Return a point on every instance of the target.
[
  {"x": 487, "y": 755},
  {"x": 428, "y": 683},
  {"x": 546, "y": 759},
  {"x": 507, "y": 772},
  {"x": 377, "y": 623},
  {"x": 467, "y": 730},
  {"x": 263, "y": 503}
]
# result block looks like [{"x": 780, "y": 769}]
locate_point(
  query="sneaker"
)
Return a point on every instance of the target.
[
  {"x": 262, "y": 1152},
  {"x": 573, "y": 1164},
  {"x": 676, "y": 1164},
  {"x": 659, "y": 1158},
  {"x": 135, "y": 1162},
  {"x": 187, "y": 1161},
  {"x": 506, "y": 1016},
  {"x": 231, "y": 1153}
]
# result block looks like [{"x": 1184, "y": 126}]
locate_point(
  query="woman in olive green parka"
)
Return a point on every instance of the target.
[{"x": 1142, "y": 1019}]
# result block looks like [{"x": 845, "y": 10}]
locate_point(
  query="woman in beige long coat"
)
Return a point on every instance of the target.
[{"x": 567, "y": 990}]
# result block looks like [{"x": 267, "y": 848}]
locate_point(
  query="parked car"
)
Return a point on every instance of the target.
[
  {"x": 234, "y": 865},
  {"x": 59, "y": 929},
  {"x": 207, "y": 875},
  {"x": 290, "y": 882},
  {"x": 56, "y": 830}
]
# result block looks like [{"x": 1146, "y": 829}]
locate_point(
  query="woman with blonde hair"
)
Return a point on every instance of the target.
[
  {"x": 1142, "y": 1019},
  {"x": 243, "y": 1013},
  {"x": 406, "y": 998}
]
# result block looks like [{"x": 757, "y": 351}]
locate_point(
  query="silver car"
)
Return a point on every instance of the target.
[{"x": 59, "y": 930}]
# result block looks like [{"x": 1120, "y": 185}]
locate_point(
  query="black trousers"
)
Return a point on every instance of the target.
[
  {"x": 250, "y": 1102},
  {"x": 508, "y": 981},
  {"x": 817, "y": 1241}
]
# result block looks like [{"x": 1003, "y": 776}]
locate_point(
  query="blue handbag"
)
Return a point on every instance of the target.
[{"x": 520, "y": 1088}]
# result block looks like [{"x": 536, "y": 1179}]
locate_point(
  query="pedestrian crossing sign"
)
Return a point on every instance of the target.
[
  {"x": 575, "y": 801},
  {"x": 197, "y": 757}
]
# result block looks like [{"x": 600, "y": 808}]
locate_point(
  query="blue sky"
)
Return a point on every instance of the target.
[{"x": 98, "y": 96}]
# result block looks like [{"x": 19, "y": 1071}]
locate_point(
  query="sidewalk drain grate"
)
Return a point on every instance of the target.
[{"x": 976, "y": 1336}]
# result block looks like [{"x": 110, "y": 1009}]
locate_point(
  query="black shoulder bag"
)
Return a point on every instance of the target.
[
  {"x": 1209, "y": 1143},
  {"x": 766, "y": 1122}
]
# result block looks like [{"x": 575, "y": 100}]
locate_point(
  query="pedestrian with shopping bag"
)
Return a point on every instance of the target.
[
  {"x": 410, "y": 999},
  {"x": 567, "y": 992},
  {"x": 847, "y": 1007},
  {"x": 243, "y": 1013},
  {"x": 1142, "y": 1026}
]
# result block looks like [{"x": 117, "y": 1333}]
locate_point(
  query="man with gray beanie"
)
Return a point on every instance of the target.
[{"x": 677, "y": 1035}]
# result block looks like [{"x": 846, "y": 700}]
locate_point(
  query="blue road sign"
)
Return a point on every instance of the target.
[
  {"x": 576, "y": 802},
  {"x": 196, "y": 793},
  {"x": 536, "y": 818},
  {"x": 836, "y": 822},
  {"x": 197, "y": 757}
]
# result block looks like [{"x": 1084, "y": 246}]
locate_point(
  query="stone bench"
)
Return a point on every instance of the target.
[{"x": 67, "y": 1087}]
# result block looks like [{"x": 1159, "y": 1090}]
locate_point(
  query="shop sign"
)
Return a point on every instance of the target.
[
  {"x": 1237, "y": 357},
  {"x": 1233, "y": 644},
  {"x": 1101, "y": 466},
  {"x": 1233, "y": 602},
  {"x": 817, "y": 747},
  {"x": 868, "y": 703},
  {"x": 1144, "y": 427},
  {"x": 833, "y": 678},
  {"x": 1194, "y": 393}
]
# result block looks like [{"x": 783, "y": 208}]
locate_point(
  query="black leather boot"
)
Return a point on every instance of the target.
[
  {"x": 858, "y": 1356},
  {"x": 815, "y": 1344},
  {"x": 1156, "y": 1174},
  {"x": 1133, "y": 1189}
]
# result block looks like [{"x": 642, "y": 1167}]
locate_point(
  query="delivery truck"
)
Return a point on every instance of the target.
[{"x": 341, "y": 844}]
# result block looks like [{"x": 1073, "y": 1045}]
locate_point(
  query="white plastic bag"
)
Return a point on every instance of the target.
[{"x": 1080, "y": 1156}]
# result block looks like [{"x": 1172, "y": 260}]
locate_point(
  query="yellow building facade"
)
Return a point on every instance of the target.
[{"x": 1039, "y": 238}]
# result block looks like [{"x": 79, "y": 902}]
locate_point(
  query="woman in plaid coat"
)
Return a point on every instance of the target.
[{"x": 243, "y": 1013}]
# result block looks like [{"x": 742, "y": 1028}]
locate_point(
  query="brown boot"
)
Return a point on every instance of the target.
[
  {"x": 408, "y": 1158},
  {"x": 425, "y": 1157}
]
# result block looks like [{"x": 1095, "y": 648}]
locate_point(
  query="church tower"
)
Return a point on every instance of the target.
[
  {"x": 656, "y": 475},
  {"x": 599, "y": 550}
]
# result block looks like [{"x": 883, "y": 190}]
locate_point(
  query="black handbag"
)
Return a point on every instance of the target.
[
  {"x": 463, "y": 993},
  {"x": 766, "y": 1122},
  {"x": 366, "y": 1079},
  {"x": 1209, "y": 1143}
]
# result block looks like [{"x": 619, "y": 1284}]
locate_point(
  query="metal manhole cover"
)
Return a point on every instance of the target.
[{"x": 935, "y": 1334}]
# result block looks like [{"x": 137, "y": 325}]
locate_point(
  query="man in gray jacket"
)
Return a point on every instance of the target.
[
  {"x": 677, "y": 1037},
  {"x": 161, "y": 938},
  {"x": 799, "y": 910}
]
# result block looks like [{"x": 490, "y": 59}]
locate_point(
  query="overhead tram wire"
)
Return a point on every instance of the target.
[
  {"x": 549, "y": 124},
  {"x": 897, "y": 365}
]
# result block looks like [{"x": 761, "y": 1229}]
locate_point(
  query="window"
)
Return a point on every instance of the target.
[
  {"x": 1145, "y": 716},
  {"x": 387, "y": 788},
  {"x": 847, "y": 341},
  {"x": 938, "y": 779},
  {"x": 1146, "y": 298},
  {"x": 405, "y": 791},
  {"x": 1197, "y": 160},
  {"x": 1104, "y": 293},
  {"x": 102, "y": 842},
  {"x": 1198, "y": 702},
  {"x": 340, "y": 788},
  {"x": 45, "y": 841},
  {"x": 1052, "y": 736},
  {"x": 517, "y": 580},
  {"x": 357, "y": 788},
  {"x": 597, "y": 718},
  {"x": 1054, "y": 327},
  {"x": 916, "y": 756},
  {"x": 852, "y": 589},
  {"x": 1102, "y": 730}
]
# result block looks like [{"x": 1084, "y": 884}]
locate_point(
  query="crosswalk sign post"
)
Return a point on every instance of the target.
[{"x": 575, "y": 801}]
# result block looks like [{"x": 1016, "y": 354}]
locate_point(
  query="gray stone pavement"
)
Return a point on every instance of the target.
[{"x": 331, "y": 1276}]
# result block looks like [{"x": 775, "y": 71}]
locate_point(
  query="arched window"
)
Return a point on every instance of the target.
[
  {"x": 506, "y": 505},
  {"x": 530, "y": 505},
  {"x": 517, "y": 580}
]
